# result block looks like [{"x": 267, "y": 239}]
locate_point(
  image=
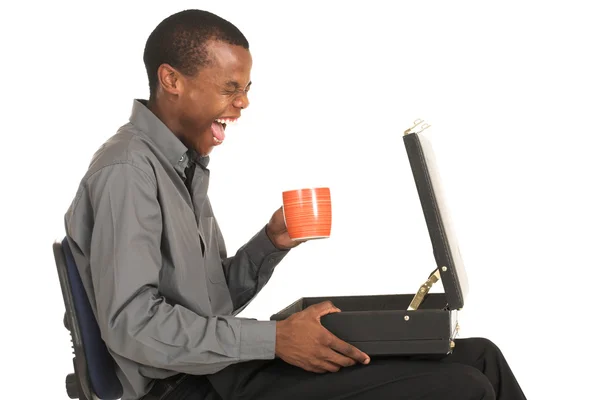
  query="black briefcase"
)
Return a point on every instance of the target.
[{"x": 421, "y": 323}]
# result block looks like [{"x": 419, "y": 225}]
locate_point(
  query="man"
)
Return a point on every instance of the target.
[{"x": 154, "y": 264}]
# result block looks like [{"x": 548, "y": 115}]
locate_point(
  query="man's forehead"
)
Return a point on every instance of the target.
[
  {"x": 230, "y": 64},
  {"x": 227, "y": 54}
]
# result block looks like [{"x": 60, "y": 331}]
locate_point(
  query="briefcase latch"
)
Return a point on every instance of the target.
[{"x": 424, "y": 290}]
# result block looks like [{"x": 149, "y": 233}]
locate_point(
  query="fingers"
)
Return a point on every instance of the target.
[
  {"x": 348, "y": 350},
  {"x": 316, "y": 370},
  {"x": 330, "y": 361},
  {"x": 326, "y": 366},
  {"x": 339, "y": 360},
  {"x": 331, "y": 353},
  {"x": 333, "y": 342}
]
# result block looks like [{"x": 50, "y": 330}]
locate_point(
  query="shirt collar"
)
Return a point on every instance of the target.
[{"x": 176, "y": 152}]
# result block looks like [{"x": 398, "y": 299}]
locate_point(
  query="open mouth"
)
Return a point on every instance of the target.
[{"x": 218, "y": 129}]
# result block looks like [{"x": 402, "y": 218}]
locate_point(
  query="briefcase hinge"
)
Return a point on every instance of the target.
[{"x": 418, "y": 127}]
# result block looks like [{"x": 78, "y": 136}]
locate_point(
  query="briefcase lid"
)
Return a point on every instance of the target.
[{"x": 439, "y": 224}]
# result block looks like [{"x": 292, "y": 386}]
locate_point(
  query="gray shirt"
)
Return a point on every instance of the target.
[{"x": 154, "y": 264}]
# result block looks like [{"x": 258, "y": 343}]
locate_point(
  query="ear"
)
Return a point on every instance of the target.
[{"x": 169, "y": 79}]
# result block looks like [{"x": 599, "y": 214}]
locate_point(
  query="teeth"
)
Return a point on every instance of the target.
[
  {"x": 217, "y": 141},
  {"x": 226, "y": 121}
]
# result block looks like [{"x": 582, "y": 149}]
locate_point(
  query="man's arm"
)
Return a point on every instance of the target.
[
  {"x": 136, "y": 322},
  {"x": 249, "y": 270}
]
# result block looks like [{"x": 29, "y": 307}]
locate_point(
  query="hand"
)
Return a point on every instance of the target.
[
  {"x": 277, "y": 232},
  {"x": 302, "y": 341}
]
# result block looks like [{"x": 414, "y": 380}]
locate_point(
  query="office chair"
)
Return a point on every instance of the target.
[{"x": 94, "y": 376}]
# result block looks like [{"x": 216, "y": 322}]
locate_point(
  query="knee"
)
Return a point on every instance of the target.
[
  {"x": 484, "y": 342},
  {"x": 472, "y": 384},
  {"x": 485, "y": 346}
]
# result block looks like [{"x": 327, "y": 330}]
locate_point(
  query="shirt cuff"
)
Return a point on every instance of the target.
[
  {"x": 260, "y": 247},
  {"x": 257, "y": 340}
]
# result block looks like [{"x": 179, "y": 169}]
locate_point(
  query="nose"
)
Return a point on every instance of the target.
[{"x": 241, "y": 101}]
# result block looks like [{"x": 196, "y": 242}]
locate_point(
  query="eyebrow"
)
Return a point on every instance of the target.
[{"x": 236, "y": 85}]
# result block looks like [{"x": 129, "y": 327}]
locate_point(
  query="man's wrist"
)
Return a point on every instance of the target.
[{"x": 273, "y": 238}]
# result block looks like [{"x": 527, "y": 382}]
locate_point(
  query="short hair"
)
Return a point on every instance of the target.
[{"x": 180, "y": 41}]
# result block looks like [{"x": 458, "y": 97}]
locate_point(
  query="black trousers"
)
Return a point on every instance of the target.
[{"x": 476, "y": 370}]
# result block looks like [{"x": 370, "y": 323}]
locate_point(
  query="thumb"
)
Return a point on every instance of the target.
[{"x": 324, "y": 308}]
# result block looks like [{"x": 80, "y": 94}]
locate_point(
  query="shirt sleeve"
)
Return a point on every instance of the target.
[
  {"x": 249, "y": 270},
  {"x": 135, "y": 320}
]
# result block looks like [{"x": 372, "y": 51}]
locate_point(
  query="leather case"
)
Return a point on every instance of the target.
[{"x": 420, "y": 323}]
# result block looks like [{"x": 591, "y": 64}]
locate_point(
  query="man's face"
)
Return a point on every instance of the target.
[{"x": 214, "y": 97}]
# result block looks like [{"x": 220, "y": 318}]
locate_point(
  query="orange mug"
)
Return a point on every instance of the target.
[{"x": 307, "y": 213}]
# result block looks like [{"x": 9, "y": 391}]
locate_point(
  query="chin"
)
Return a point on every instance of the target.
[
  {"x": 204, "y": 148},
  {"x": 204, "y": 152}
]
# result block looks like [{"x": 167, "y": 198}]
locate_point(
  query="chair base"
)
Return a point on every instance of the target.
[{"x": 72, "y": 385}]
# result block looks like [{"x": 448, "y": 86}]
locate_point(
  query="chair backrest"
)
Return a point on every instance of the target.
[{"x": 94, "y": 365}]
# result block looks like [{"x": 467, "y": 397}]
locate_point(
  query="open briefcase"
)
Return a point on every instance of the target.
[{"x": 407, "y": 324}]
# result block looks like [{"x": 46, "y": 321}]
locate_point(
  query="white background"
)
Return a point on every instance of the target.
[{"x": 511, "y": 90}]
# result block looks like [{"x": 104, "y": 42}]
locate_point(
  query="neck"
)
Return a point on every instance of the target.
[{"x": 168, "y": 118}]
